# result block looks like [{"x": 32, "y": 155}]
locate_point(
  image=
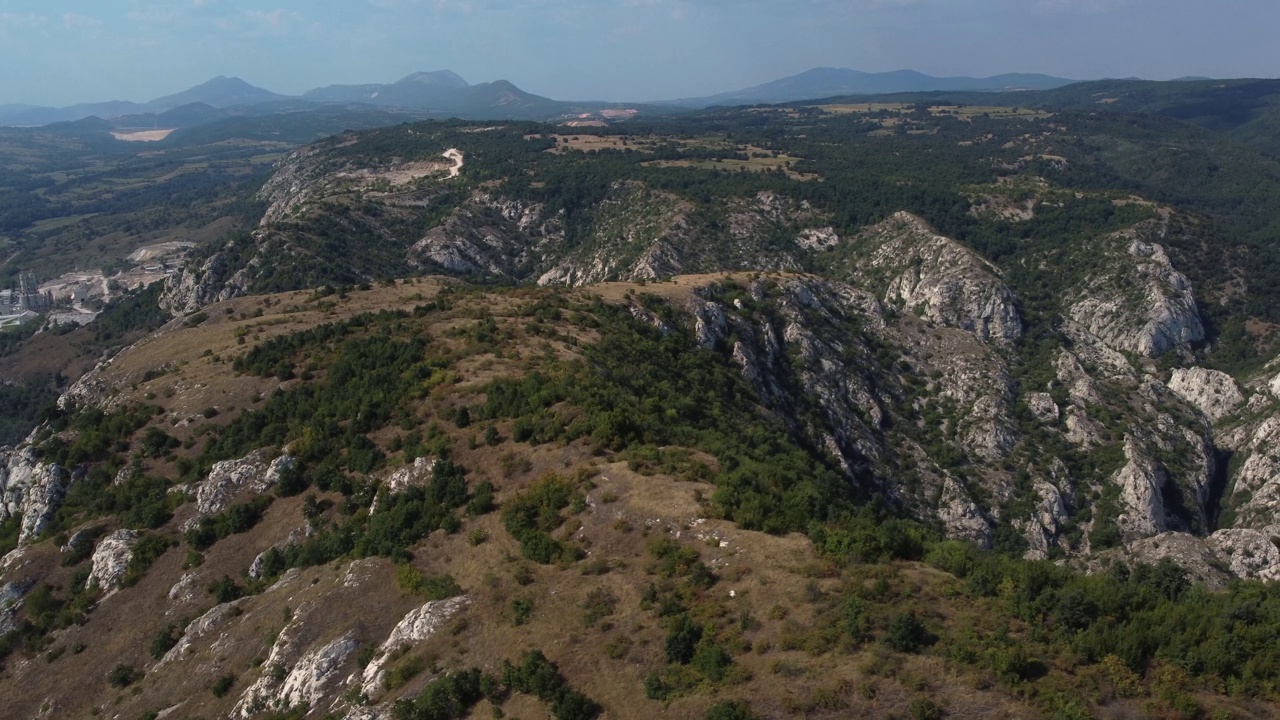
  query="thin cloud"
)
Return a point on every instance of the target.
[{"x": 76, "y": 21}]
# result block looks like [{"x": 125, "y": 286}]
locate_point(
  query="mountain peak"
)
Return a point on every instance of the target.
[
  {"x": 218, "y": 92},
  {"x": 822, "y": 82},
  {"x": 444, "y": 78}
]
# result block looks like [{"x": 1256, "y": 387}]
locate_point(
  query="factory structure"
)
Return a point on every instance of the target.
[{"x": 24, "y": 296}]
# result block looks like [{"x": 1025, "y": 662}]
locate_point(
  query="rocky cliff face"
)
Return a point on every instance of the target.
[
  {"x": 32, "y": 489},
  {"x": 1212, "y": 392},
  {"x": 934, "y": 277},
  {"x": 111, "y": 559},
  {"x": 1137, "y": 302}
]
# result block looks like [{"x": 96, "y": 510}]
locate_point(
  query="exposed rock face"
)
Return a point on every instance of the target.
[
  {"x": 229, "y": 477},
  {"x": 937, "y": 278},
  {"x": 264, "y": 693},
  {"x": 488, "y": 235},
  {"x": 818, "y": 238},
  {"x": 111, "y": 559},
  {"x": 198, "y": 631},
  {"x": 204, "y": 283},
  {"x": 827, "y": 367},
  {"x": 1141, "y": 482},
  {"x": 1043, "y": 407},
  {"x": 16, "y": 469},
  {"x": 961, "y": 516},
  {"x": 1139, "y": 303},
  {"x": 415, "y": 627},
  {"x": 1213, "y": 392},
  {"x": 1041, "y": 530},
  {"x": 10, "y": 602},
  {"x": 1256, "y": 485},
  {"x": 42, "y": 496},
  {"x": 315, "y": 673},
  {"x": 1189, "y": 551},
  {"x": 1249, "y": 553},
  {"x": 416, "y": 474},
  {"x": 645, "y": 234}
]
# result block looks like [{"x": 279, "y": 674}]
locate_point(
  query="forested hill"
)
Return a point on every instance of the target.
[{"x": 908, "y": 408}]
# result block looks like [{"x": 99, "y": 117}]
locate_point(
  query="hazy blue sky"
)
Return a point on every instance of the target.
[{"x": 64, "y": 51}]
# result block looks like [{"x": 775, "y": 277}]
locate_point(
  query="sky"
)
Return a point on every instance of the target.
[{"x": 59, "y": 52}]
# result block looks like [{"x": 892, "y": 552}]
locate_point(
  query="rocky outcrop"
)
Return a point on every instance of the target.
[
  {"x": 207, "y": 281},
  {"x": 229, "y": 477},
  {"x": 416, "y": 474},
  {"x": 1238, "y": 553},
  {"x": 961, "y": 517},
  {"x": 413, "y": 628},
  {"x": 1188, "y": 551},
  {"x": 936, "y": 277},
  {"x": 823, "y": 238},
  {"x": 196, "y": 635},
  {"x": 11, "y": 595},
  {"x": 16, "y": 470},
  {"x": 111, "y": 559},
  {"x": 42, "y": 491},
  {"x": 1212, "y": 392},
  {"x": 1249, "y": 554},
  {"x": 1137, "y": 302},
  {"x": 1141, "y": 483},
  {"x": 795, "y": 349},
  {"x": 1255, "y": 494},
  {"x": 1042, "y": 530},
  {"x": 488, "y": 235},
  {"x": 315, "y": 674}
]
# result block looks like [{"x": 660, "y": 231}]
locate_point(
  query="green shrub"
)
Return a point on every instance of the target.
[
  {"x": 906, "y": 634},
  {"x": 122, "y": 676},
  {"x": 223, "y": 684},
  {"x": 730, "y": 710}
]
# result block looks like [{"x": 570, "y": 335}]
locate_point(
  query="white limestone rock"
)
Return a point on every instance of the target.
[
  {"x": 1042, "y": 528},
  {"x": 111, "y": 559},
  {"x": 314, "y": 675},
  {"x": 198, "y": 632},
  {"x": 229, "y": 477},
  {"x": 47, "y": 489},
  {"x": 818, "y": 238},
  {"x": 1141, "y": 481},
  {"x": 961, "y": 517},
  {"x": 1042, "y": 407},
  {"x": 1251, "y": 554},
  {"x": 938, "y": 278},
  {"x": 1140, "y": 304},
  {"x": 1256, "y": 485},
  {"x": 1212, "y": 392},
  {"x": 413, "y": 628}
]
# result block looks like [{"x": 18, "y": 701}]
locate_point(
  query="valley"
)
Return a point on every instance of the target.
[{"x": 895, "y": 407}]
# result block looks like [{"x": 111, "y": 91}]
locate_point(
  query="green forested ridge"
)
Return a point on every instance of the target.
[
  {"x": 1040, "y": 630},
  {"x": 354, "y": 399}
]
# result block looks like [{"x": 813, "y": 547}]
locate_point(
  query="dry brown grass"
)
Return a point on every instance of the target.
[{"x": 779, "y": 582}]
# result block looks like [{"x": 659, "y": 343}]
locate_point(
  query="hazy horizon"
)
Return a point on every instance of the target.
[{"x": 80, "y": 51}]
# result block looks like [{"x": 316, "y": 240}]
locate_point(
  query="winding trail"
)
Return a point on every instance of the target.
[{"x": 455, "y": 155}]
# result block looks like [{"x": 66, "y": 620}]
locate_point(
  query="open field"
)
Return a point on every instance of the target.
[
  {"x": 759, "y": 161},
  {"x": 142, "y": 135},
  {"x": 865, "y": 108},
  {"x": 968, "y": 112},
  {"x": 641, "y": 143}
]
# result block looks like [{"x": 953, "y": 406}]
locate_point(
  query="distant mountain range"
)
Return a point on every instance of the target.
[
  {"x": 832, "y": 82},
  {"x": 442, "y": 92},
  {"x": 445, "y": 93}
]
